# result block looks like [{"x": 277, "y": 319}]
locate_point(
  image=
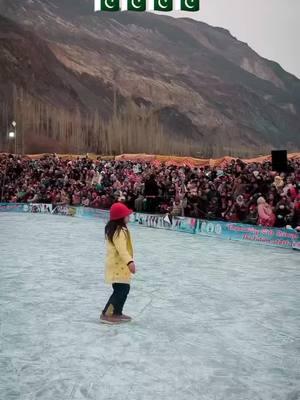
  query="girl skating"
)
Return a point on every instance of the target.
[{"x": 119, "y": 264}]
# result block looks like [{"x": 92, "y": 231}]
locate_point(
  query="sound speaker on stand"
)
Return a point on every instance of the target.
[{"x": 279, "y": 161}]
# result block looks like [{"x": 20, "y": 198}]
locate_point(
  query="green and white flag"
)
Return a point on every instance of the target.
[
  {"x": 107, "y": 5},
  {"x": 190, "y": 5},
  {"x": 163, "y": 5},
  {"x": 136, "y": 5},
  {"x": 149, "y": 5}
]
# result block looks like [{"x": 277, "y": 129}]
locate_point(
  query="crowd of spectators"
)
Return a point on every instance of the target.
[{"x": 238, "y": 192}]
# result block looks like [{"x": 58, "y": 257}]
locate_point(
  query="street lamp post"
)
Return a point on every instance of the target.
[
  {"x": 14, "y": 124},
  {"x": 13, "y": 135}
]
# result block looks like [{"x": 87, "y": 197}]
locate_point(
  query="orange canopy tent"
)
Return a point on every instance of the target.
[{"x": 168, "y": 160}]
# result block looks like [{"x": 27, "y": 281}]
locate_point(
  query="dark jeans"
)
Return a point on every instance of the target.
[{"x": 117, "y": 300}]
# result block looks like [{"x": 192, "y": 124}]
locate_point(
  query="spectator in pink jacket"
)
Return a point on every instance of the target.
[{"x": 266, "y": 217}]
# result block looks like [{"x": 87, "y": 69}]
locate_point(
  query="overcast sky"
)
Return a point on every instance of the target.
[{"x": 270, "y": 27}]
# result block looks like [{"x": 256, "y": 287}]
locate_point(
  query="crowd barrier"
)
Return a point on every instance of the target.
[{"x": 276, "y": 237}]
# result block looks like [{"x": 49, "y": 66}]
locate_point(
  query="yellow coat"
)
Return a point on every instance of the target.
[{"x": 119, "y": 254}]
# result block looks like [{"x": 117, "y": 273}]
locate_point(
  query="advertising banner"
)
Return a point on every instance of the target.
[
  {"x": 37, "y": 208},
  {"x": 255, "y": 234},
  {"x": 296, "y": 245},
  {"x": 86, "y": 212},
  {"x": 65, "y": 210},
  {"x": 284, "y": 238},
  {"x": 11, "y": 207},
  {"x": 179, "y": 224}
]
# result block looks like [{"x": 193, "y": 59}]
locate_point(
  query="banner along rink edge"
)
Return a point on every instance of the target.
[{"x": 276, "y": 237}]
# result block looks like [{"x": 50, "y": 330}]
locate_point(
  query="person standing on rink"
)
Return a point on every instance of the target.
[{"x": 119, "y": 264}]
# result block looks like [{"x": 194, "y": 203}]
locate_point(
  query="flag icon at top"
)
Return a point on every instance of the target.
[
  {"x": 190, "y": 5},
  {"x": 147, "y": 5},
  {"x": 136, "y": 5},
  {"x": 163, "y": 5}
]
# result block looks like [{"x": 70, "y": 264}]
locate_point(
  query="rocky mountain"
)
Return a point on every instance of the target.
[{"x": 187, "y": 87}]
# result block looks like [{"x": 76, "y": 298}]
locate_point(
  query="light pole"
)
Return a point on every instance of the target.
[
  {"x": 13, "y": 135},
  {"x": 14, "y": 124}
]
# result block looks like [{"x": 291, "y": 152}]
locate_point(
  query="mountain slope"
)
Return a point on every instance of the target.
[
  {"x": 27, "y": 61},
  {"x": 202, "y": 84}
]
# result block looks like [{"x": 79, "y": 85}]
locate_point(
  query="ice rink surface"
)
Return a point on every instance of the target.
[{"x": 212, "y": 319}]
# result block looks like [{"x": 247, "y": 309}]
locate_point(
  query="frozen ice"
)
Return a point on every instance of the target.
[{"x": 213, "y": 319}]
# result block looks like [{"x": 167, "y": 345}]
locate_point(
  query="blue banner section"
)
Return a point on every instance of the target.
[
  {"x": 11, "y": 207},
  {"x": 92, "y": 213},
  {"x": 284, "y": 238},
  {"x": 250, "y": 233}
]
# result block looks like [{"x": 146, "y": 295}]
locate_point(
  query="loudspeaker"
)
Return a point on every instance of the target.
[{"x": 279, "y": 161}]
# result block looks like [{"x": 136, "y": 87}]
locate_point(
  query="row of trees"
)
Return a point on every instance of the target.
[{"x": 45, "y": 128}]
